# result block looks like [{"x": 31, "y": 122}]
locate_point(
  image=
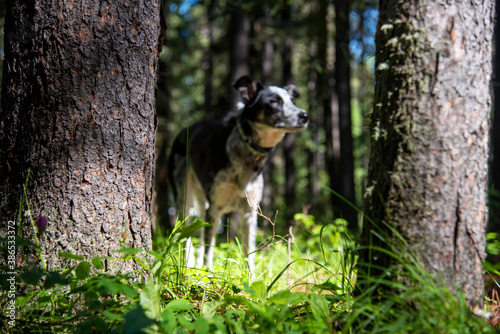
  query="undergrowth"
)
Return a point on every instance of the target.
[{"x": 303, "y": 283}]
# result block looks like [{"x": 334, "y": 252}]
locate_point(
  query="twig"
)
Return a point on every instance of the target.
[{"x": 273, "y": 223}]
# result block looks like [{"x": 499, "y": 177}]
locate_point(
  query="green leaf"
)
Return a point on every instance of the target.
[
  {"x": 157, "y": 268},
  {"x": 91, "y": 299},
  {"x": 257, "y": 290},
  {"x": 70, "y": 256},
  {"x": 43, "y": 298},
  {"x": 153, "y": 253},
  {"x": 129, "y": 250},
  {"x": 150, "y": 299},
  {"x": 136, "y": 321},
  {"x": 141, "y": 262},
  {"x": 329, "y": 286},
  {"x": 319, "y": 307},
  {"x": 210, "y": 308},
  {"x": 107, "y": 286},
  {"x": 287, "y": 297},
  {"x": 23, "y": 242},
  {"x": 101, "y": 325},
  {"x": 82, "y": 271},
  {"x": 62, "y": 302},
  {"x": 128, "y": 291},
  {"x": 22, "y": 300},
  {"x": 202, "y": 326},
  {"x": 188, "y": 230},
  {"x": 54, "y": 278},
  {"x": 97, "y": 262},
  {"x": 168, "y": 321},
  {"x": 179, "y": 305},
  {"x": 111, "y": 316},
  {"x": 32, "y": 277}
]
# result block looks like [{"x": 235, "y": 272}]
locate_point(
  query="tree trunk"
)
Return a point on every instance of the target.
[
  {"x": 326, "y": 97},
  {"x": 239, "y": 49},
  {"x": 78, "y": 113},
  {"x": 208, "y": 60},
  {"x": 429, "y": 140},
  {"x": 267, "y": 67},
  {"x": 314, "y": 160},
  {"x": 289, "y": 140},
  {"x": 343, "y": 92}
]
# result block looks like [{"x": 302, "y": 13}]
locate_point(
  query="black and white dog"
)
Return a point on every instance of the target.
[{"x": 215, "y": 166}]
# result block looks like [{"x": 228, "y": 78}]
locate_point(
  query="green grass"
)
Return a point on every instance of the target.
[{"x": 302, "y": 287}]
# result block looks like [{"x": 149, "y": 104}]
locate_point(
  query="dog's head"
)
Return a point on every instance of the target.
[{"x": 270, "y": 106}]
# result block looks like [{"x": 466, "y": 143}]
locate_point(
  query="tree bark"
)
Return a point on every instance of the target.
[
  {"x": 78, "y": 111},
  {"x": 429, "y": 136}
]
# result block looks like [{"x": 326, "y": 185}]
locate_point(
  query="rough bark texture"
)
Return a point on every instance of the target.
[
  {"x": 428, "y": 164},
  {"x": 78, "y": 110}
]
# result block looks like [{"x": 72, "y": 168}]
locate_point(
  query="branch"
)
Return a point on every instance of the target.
[{"x": 257, "y": 209}]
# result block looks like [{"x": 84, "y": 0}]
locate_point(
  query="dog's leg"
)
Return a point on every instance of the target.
[
  {"x": 249, "y": 221},
  {"x": 185, "y": 208},
  {"x": 200, "y": 256},
  {"x": 249, "y": 236},
  {"x": 194, "y": 205},
  {"x": 213, "y": 216}
]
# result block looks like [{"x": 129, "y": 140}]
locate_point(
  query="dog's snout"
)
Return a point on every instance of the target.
[{"x": 304, "y": 117}]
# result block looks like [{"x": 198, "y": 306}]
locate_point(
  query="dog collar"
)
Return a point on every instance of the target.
[{"x": 250, "y": 145}]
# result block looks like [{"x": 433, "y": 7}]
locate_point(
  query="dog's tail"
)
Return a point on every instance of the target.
[{"x": 179, "y": 148}]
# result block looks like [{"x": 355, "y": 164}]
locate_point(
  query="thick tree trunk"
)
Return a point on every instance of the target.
[
  {"x": 78, "y": 112},
  {"x": 429, "y": 149}
]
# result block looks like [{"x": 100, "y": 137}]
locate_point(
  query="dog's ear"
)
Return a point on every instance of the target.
[
  {"x": 292, "y": 90},
  {"x": 248, "y": 88}
]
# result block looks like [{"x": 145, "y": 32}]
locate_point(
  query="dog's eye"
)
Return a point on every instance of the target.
[{"x": 276, "y": 101}]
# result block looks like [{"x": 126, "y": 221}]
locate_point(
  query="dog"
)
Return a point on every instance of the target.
[{"x": 216, "y": 167}]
